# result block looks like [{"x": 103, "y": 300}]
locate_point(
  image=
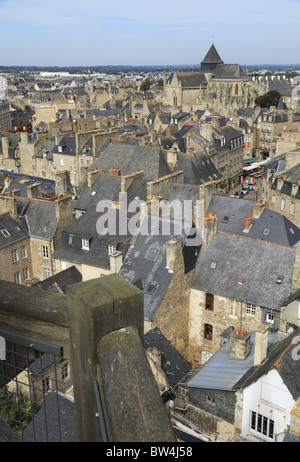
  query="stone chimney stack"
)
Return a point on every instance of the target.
[
  {"x": 296, "y": 269},
  {"x": 206, "y": 131},
  {"x": 34, "y": 190},
  {"x": 174, "y": 255},
  {"x": 258, "y": 209},
  {"x": 240, "y": 345},
  {"x": 210, "y": 228},
  {"x": 116, "y": 260},
  {"x": 261, "y": 344}
]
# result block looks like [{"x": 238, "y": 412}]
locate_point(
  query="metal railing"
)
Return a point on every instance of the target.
[{"x": 75, "y": 366}]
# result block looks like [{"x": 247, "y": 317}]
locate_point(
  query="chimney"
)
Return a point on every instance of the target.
[
  {"x": 296, "y": 269},
  {"x": 210, "y": 228},
  {"x": 248, "y": 223},
  {"x": 5, "y": 146},
  {"x": 34, "y": 190},
  {"x": 116, "y": 260},
  {"x": 92, "y": 175},
  {"x": 257, "y": 209},
  {"x": 115, "y": 171},
  {"x": 261, "y": 344},
  {"x": 206, "y": 131},
  {"x": 171, "y": 158},
  {"x": 62, "y": 182},
  {"x": 173, "y": 254},
  {"x": 239, "y": 344}
]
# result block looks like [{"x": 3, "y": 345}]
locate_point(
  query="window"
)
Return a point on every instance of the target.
[
  {"x": 65, "y": 371},
  {"x": 23, "y": 251},
  {"x": 71, "y": 239},
  {"x": 270, "y": 318},
  {"x": 208, "y": 331},
  {"x": 85, "y": 244},
  {"x": 17, "y": 277},
  {"x": 236, "y": 89},
  {"x": 46, "y": 384},
  {"x": 282, "y": 204},
  {"x": 233, "y": 310},
  {"x": 45, "y": 253},
  {"x": 14, "y": 255},
  {"x": 262, "y": 424},
  {"x": 292, "y": 208},
  {"x": 61, "y": 162},
  {"x": 44, "y": 174},
  {"x": 46, "y": 272},
  {"x": 111, "y": 249},
  {"x": 209, "y": 301},
  {"x": 63, "y": 265},
  {"x": 152, "y": 254},
  {"x": 25, "y": 274},
  {"x": 250, "y": 309},
  {"x": 210, "y": 401},
  {"x": 150, "y": 288},
  {"x": 5, "y": 232}
]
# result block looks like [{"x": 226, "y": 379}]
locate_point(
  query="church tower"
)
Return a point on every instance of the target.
[{"x": 211, "y": 60}]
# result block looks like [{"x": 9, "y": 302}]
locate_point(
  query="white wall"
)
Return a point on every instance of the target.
[{"x": 270, "y": 398}]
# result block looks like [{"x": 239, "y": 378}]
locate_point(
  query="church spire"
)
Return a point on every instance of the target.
[{"x": 211, "y": 60}]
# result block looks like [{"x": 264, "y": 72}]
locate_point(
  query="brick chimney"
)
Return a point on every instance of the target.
[
  {"x": 258, "y": 209},
  {"x": 248, "y": 223},
  {"x": 261, "y": 344},
  {"x": 206, "y": 131},
  {"x": 115, "y": 171},
  {"x": 239, "y": 344}
]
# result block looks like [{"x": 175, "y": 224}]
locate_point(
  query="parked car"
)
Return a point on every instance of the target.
[{"x": 245, "y": 189}]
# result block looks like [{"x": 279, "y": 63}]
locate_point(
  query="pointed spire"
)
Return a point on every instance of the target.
[{"x": 211, "y": 60}]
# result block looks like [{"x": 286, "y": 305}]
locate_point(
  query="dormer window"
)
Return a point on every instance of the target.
[
  {"x": 85, "y": 244},
  {"x": 111, "y": 249}
]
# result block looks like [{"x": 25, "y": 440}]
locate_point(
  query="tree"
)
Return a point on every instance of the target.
[
  {"x": 268, "y": 99},
  {"x": 145, "y": 86}
]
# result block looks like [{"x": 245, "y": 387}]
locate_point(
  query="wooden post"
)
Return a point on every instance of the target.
[
  {"x": 95, "y": 308},
  {"x": 133, "y": 408}
]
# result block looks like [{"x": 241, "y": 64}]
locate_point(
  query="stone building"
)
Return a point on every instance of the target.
[{"x": 217, "y": 86}]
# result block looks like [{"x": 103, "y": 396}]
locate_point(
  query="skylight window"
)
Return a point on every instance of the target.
[
  {"x": 5, "y": 232},
  {"x": 225, "y": 219},
  {"x": 150, "y": 288},
  {"x": 266, "y": 232},
  {"x": 152, "y": 254},
  {"x": 93, "y": 193},
  {"x": 213, "y": 265}
]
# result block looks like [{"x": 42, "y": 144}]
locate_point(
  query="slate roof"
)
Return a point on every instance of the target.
[
  {"x": 38, "y": 217},
  {"x": 229, "y": 72},
  {"x": 68, "y": 145},
  {"x": 191, "y": 80},
  {"x": 172, "y": 363},
  {"x": 48, "y": 186},
  {"x": 138, "y": 266},
  {"x": 13, "y": 227},
  {"x": 212, "y": 56},
  {"x": 60, "y": 281},
  {"x": 257, "y": 263},
  {"x": 270, "y": 226},
  {"x": 279, "y": 356},
  {"x": 45, "y": 426},
  {"x": 108, "y": 187},
  {"x": 85, "y": 227},
  {"x": 198, "y": 169},
  {"x": 130, "y": 158}
]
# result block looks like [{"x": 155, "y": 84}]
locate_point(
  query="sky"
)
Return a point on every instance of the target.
[{"x": 152, "y": 32}]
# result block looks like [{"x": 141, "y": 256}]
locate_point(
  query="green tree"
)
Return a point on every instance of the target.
[
  {"x": 271, "y": 98},
  {"x": 17, "y": 412},
  {"x": 146, "y": 85}
]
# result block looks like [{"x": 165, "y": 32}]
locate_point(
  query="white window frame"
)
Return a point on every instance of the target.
[
  {"x": 250, "y": 309},
  {"x": 45, "y": 251},
  {"x": 46, "y": 272},
  {"x": 23, "y": 251},
  {"x": 260, "y": 430},
  {"x": 17, "y": 277},
  {"x": 25, "y": 274},
  {"x": 233, "y": 308},
  {"x": 14, "y": 256},
  {"x": 111, "y": 249},
  {"x": 85, "y": 244},
  {"x": 65, "y": 371}
]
